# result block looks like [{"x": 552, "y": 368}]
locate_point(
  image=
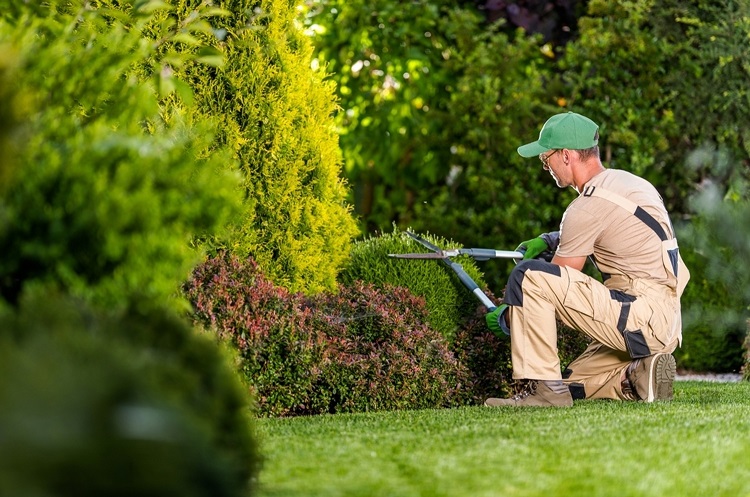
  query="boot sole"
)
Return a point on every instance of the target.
[{"x": 662, "y": 374}]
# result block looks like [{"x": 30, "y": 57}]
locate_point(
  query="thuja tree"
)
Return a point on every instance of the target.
[
  {"x": 274, "y": 116},
  {"x": 104, "y": 196}
]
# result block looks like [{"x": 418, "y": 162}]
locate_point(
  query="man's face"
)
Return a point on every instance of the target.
[{"x": 552, "y": 163}]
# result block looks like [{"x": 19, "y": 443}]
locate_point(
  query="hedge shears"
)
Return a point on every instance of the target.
[{"x": 479, "y": 254}]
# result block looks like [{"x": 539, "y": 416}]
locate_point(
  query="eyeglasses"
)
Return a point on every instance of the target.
[{"x": 545, "y": 158}]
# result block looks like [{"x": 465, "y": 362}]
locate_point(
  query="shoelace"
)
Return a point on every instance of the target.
[{"x": 524, "y": 390}]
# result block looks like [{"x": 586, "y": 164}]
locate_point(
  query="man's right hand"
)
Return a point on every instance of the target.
[{"x": 532, "y": 248}]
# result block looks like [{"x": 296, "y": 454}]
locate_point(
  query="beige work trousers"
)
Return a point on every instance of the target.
[{"x": 547, "y": 292}]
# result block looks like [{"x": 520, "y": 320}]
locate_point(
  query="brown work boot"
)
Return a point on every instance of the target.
[
  {"x": 651, "y": 378},
  {"x": 534, "y": 393}
]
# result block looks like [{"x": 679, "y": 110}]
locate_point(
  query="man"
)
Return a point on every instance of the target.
[{"x": 633, "y": 317}]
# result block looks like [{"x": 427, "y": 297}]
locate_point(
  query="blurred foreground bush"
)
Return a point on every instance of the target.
[
  {"x": 717, "y": 319},
  {"x": 116, "y": 405},
  {"x": 104, "y": 196}
]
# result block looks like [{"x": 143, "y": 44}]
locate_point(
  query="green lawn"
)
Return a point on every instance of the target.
[{"x": 697, "y": 445}]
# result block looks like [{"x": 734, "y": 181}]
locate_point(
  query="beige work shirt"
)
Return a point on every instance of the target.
[{"x": 620, "y": 243}]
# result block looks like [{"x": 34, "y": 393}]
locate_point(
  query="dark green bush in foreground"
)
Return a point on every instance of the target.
[
  {"x": 135, "y": 404},
  {"x": 104, "y": 196}
]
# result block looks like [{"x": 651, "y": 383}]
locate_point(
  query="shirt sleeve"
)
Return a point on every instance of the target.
[{"x": 579, "y": 230}]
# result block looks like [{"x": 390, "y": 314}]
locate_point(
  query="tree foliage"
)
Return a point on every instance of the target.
[
  {"x": 109, "y": 403},
  {"x": 387, "y": 59},
  {"x": 661, "y": 78}
]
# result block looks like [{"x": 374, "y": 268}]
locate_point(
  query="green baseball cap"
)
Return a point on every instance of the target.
[{"x": 566, "y": 130}]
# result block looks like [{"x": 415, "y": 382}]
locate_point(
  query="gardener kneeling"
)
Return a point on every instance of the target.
[{"x": 633, "y": 318}]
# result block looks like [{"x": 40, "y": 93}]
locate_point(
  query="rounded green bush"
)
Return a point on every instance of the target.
[{"x": 448, "y": 301}]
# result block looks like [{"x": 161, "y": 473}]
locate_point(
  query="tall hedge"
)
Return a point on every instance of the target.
[{"x": 275, "y": 117}]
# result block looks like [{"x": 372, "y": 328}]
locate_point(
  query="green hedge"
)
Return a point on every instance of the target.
[{"x": 448, "y": 302}]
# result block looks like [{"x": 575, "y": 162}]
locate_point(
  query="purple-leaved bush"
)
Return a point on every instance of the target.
[{"x": 360, "y": 349}]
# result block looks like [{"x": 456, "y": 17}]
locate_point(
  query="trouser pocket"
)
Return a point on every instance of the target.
[{"x": 636, "y": 345}]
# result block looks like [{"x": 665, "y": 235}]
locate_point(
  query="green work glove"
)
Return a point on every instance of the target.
[
  {"x": 496, "y": 321},
  {"x": 532, "y": 248}
]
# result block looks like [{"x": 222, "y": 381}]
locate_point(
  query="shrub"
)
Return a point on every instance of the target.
[
  {"x": 717, "y": 295},
  {"x": 98, "y": 205},
  {"x": 712, "y": 337},
  {"x": 447, "y": 300},
  {"x": 383, "y": 355},
  {"x": 360, "y": 349},
  {"x": 280, "y": 349},
  {"x": 118, "y": 404},
  {"x": 486, "y": 357}
]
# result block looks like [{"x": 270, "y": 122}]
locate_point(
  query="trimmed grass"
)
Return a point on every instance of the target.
[{"x": 697, "y": 445}]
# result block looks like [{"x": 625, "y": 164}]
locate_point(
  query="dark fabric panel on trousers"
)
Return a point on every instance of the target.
[
  {"x": 513, "y": 292},
  {"x": 636, "y": 344}
]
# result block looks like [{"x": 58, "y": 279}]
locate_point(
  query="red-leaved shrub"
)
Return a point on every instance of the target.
[
  {"x": 381, "y": 354},
  {"x": 361, "y": 349},
  {"x": 486, "y": 357}
]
